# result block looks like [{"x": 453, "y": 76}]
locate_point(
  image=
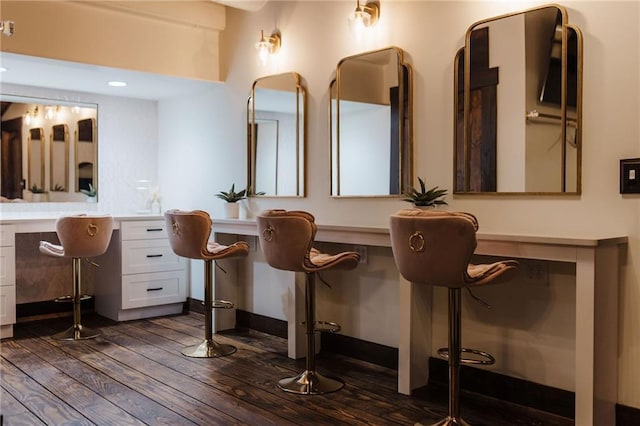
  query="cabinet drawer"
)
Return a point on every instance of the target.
[
  {"x": 7, "y": 305},
  {"x": 7, "y": 266},
  {"x": 7, "y": 235},
  {"x": 143, "y": 230},
  {"x": 143, "y": 256},
  {"x": 159, "y": 288}
]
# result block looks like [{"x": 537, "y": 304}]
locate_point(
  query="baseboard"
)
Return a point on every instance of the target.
[
  {"x": 506, "y": 388},
  {"x": 627, "y": 416},
  {"x": 360, "y": 349},
  {"x": 38, "y": 310},
  {"x": 194, "y": 305},
  {"x": 262, "y": 323}
]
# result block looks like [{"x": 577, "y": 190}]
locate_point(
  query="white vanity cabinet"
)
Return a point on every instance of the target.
[
  {"x": 151, "y": 280},
  {"x": 7, "y": 280}
]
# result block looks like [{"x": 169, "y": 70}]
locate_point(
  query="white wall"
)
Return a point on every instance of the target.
[{"x": 204, "y": 151}]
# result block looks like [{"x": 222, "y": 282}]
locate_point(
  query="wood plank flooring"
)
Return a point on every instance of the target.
[{"x": 134, "y": 374}]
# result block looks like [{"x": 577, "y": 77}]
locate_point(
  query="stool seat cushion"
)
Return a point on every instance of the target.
[{"x": 344, "y": 260}]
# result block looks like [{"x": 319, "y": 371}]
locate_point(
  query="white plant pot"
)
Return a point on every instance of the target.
[{"x": 231, "y": 210}]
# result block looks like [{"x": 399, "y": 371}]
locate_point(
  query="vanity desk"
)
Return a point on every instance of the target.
[
  {"x": 139, "y": 275},
  {"x": 596, "y": 259}
]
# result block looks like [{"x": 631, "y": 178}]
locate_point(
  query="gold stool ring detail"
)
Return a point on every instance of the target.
[
  {"x": 267, "y": 233},
  {"x": 416, "y": 242},
  {"x": 92, "y": 229}
]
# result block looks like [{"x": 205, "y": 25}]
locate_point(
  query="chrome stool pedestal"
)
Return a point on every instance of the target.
[
  {"x": 310, "y": 382},
  {"x": 209, "y": 348}
]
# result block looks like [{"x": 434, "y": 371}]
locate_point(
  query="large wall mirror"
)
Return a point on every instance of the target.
[
  {"x": 371, "y": 125},
  {"x": 28, "y": 158},
  {"x": 276, "y": 136},
  {"x": 519, "y": 105}
]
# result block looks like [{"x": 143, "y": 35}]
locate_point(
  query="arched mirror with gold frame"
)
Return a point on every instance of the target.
[
  {"x": 35, "y": 155},
  {"x": 59, "y": 158},
  {"x": 276, "y": 121},
  {"x": 518, "y": 105},
  {"x": 371, "y": 125}
]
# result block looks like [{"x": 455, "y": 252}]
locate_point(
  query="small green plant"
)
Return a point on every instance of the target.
[
  {"x": 91, "y": 192},
  {"x": 424, "y": 197},
  {"x": 58, "y": 187},
  {"x": 35, "y": 189},
  {"x": 232, "y": 196}
]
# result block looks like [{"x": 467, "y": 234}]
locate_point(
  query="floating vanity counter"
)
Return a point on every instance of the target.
[{"x": 597, "y": 262}]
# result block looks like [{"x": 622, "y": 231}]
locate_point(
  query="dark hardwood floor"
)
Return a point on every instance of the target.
[{"x": 135, "y": 374}]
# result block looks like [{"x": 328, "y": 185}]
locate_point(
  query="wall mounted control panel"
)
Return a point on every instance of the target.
[{"x": 630, "y": 176}]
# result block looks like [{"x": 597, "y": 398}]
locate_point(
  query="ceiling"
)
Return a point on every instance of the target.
[{"x": 77, "y": 77}]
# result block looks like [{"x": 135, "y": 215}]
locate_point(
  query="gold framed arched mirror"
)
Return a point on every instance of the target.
[
  {"x": 371, "y": 125},
  {"x": 518, "y": 100},
  {"x": 276, "y": 117}
]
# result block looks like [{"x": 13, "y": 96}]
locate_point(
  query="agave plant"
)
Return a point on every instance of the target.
[
  {"x": 232, "y": 196},
  {"x": 424, "y": 197},
  {"x": 91, "y": 192}
]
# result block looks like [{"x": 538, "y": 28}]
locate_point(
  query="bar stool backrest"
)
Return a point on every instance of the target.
[
  {"x": 433, "y": 247},
  {"x": 84, "y": 236},
  {"x": 189, "y": 232},
  {"x": 286, "y": 238}
]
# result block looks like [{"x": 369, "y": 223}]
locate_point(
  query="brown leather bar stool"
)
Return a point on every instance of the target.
[
  {"x": 434, "y": 248},
  {"x": 286, "y": 238},
  {"x": 189, "y": 233},
  {"x": 80, "y": 237}
]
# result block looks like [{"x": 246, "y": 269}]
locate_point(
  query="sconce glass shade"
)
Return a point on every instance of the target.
[
  {"x": 267, "y": 46},
  {"x": 364, "y": 16}
]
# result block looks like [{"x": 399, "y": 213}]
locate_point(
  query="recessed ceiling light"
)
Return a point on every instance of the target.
[
  {"x": 117, "y": 83},
  {"x": 2, "y": 69}
]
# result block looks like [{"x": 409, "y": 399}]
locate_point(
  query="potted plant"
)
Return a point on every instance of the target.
[
  {"x": 424, "y": 197},
  {"x": 231, "y": 208},
  {"x": 37, "y": 194},
  {"x": 91, "y": 194}
]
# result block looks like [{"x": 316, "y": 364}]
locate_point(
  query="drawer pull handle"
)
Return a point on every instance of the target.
[
  {"x": 154, "y": 255},
  {"x": 154, "y": 289},
  {"x": 154, "y": 229}
]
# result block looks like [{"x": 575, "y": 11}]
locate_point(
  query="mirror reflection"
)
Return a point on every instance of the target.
[
  {"x": 371, "y": 125},
  {"x": 59, "y": 156},
  {"x": 29, "y": 158},
  {"x": 519, "y": 99},
  {"x": 276, "y": 136},
  {"x": 36, "y": 160}
]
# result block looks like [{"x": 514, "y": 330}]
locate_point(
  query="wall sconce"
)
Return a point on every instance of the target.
[
  {"x": 30, "y": 117},
  {"x": 268, "y": 46},
  {"x": 364, "y": 16},
  {"x": 6, "y": 28},
  {"x": 51, "y": 112}
]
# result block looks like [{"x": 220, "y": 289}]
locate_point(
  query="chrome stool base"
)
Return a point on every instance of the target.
[
  {"x": 77, "y": 332},
  {"x": 310, "y": 383},
  {"x": 208, "y": 349}
]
